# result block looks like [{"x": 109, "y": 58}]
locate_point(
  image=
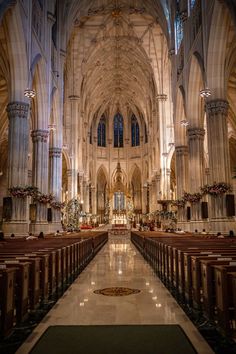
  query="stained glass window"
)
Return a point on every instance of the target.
[
  {"x": 118, "y": 130},
  {"x": 101, "y": 132},
  {"x": 192, "y": 3},
  {"x": 134, "y": 131},
  {"x": 178, "y": 31}
]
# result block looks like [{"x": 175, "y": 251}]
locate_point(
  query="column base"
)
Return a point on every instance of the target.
[
  {"x": 223, "y": 225},
  {"x": 191, "y": 226},
  {"x": 54, "y": 226},
  {"x": 37, "y": 227},
  {"x": 212, "y": 226},
  {"x": 19, "y": 229}
]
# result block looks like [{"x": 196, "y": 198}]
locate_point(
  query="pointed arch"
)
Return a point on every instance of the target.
[
  {"x": 17, "y": 54},
  {"x": 180, "y": 116},
  {"x": 195, "y": 106},
  {"x": 217, "y": 48}
]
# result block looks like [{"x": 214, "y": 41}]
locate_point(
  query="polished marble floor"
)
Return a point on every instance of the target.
[{"x": 117, "y": 264}]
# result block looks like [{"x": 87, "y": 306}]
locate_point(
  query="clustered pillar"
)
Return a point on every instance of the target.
[
  {"x": 182, "y": 166},
  {"x": 55, "y": 173},
  {"x": 196, "y": 164},
  {"x": 218, "y": 148},
  {"x": 17, "y": 165},
  {"x": 40, "y": 176}
]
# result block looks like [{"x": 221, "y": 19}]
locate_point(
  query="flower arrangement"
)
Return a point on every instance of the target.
[
  {"x": 22, "y": 192},
  {"x": 164, "y": 214},
  {"x": 192, "y": 198},
  {"x": 18, "y": 192},
  {"x": 180, "y": 203},
  {"x": 57, "y": 205},
  {"x": 43, "y": 198},
  {"x": 216, "y": 188}
]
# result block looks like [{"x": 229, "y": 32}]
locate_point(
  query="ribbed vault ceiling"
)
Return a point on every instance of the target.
[{"x": 118, "y": 56}]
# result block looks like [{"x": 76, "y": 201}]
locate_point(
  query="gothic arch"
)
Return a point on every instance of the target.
[
  {"x": 217, "y": 48},
  {"x": 180, "y": 130},
  {"x": 195, "y": 104},
  {"x": 17, "y": 54},
  {"x": 41, "y": 99}
]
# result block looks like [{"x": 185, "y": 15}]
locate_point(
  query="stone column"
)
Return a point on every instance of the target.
[
  {"x": 144, "y": 199},
  {"x": 196, "y": 166},
  {"x": 94, "y": 201},
  {"x": 182, "y": 175},
  {"x": 55, "y": 176},
  {"x": 168, "y": 173},
  {"x": 74, "y": 111},
  {"x": 69, "y": 184},
  {"x": 18, "y": 145},
  {"x": 86, "y": 197},
  {"x": 218, "y": 149},
  {"x": 40, "y": 177},
  {"x": 154, "y": 195}
]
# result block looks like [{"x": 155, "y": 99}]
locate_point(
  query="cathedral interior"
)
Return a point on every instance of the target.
[
  {"x": 118, "y": 114},
  {"x": 119, "y": 105}
]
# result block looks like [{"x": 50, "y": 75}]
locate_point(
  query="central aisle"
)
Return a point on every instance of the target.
[{"x": 118, "y": 264}]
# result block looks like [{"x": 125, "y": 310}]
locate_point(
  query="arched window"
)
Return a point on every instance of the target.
[
  {"x": 134, "y": 131},
  {"x": 118, "y": 130},
  {"x": 102, "y": 131},
  {"x": 179, "y": 29},
  {"x": 191, "y": 4}
]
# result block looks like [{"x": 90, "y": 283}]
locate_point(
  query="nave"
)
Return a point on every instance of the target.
[{"x": 118, "y": 264}]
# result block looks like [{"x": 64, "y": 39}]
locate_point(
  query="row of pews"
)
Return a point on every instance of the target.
[
  {"x": 201, "y": 271},
  {"x": 33, "y": 272}
]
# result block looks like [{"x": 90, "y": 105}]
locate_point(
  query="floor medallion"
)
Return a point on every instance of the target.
[{"x": 117, "y": 291}]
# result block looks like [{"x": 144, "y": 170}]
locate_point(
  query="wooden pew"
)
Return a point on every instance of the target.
[
  {"x": 7, "y": 286},
  {"x": 224, "y": 307}
]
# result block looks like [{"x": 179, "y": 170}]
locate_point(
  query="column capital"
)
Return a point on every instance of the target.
[
  {"x": 218, "y": 106},
  {"x": 196, "y": 133},
  {"x": 17, "y": 109},
  {"x": 55, "y": 152},
  {"x": 40, "y": 135},
  {"x": 181, "y": 150}
]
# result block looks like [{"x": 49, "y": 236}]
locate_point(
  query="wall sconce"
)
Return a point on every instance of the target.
[
  {"x": 30, "y": 93},
  {"x": 184, "y": 122},
  {"x": 205, "y": 93},
  {"x": 52, "y": 127},
  {"x": 161, "y": 97}
]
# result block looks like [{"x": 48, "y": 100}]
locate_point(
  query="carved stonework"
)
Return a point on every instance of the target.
[
  {"x": 40, "y": 135},
  {"x": 196, "y": 133},
  {"x": 217, "y": 107},
  {"x": 69, "y": 173},
  {"x": 181, "y": 150},
  {"x": 55, "y": 152},
  {"x": 17, "y": 110}
]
